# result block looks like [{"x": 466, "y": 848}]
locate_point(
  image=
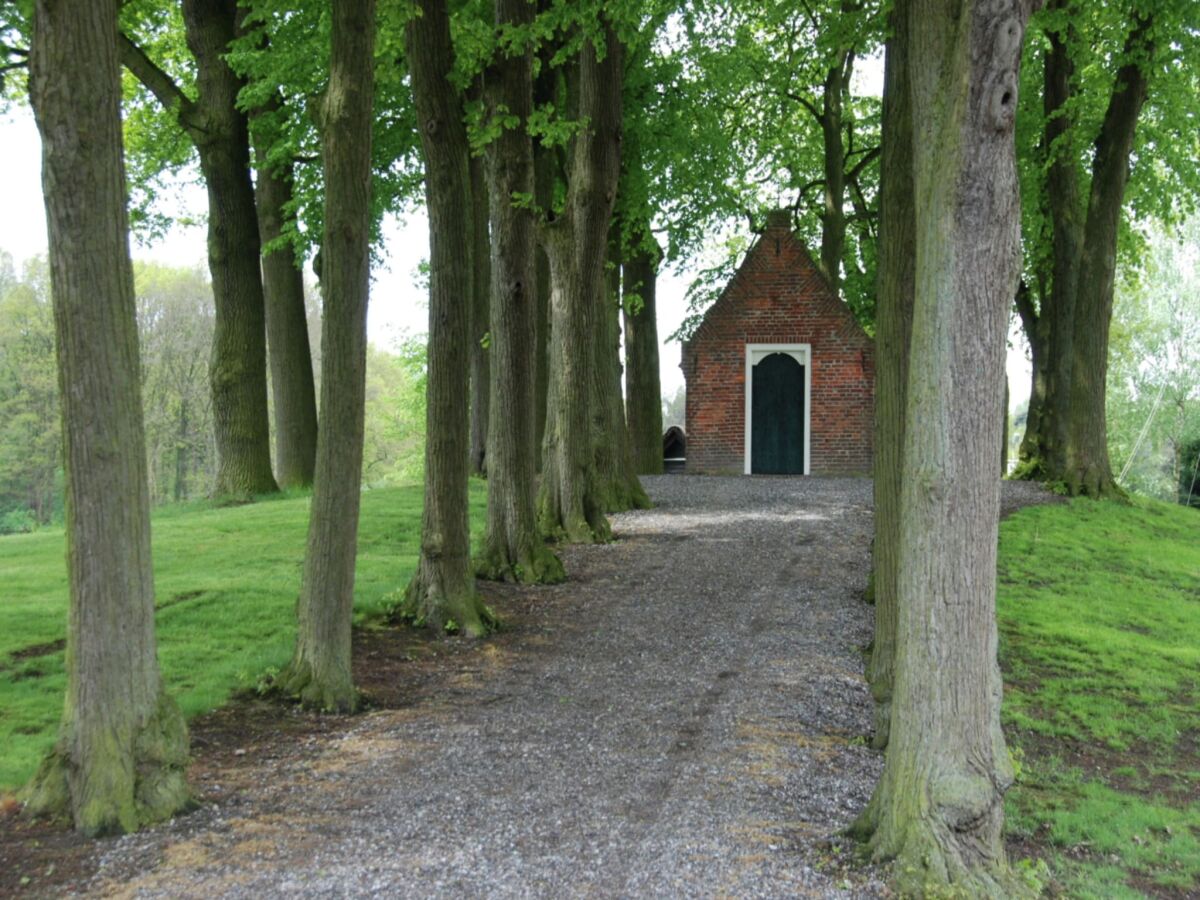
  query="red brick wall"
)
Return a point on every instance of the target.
[{"x": 779, "y": 297}]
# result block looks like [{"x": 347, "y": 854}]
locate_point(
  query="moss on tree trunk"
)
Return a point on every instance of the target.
[
  {"x": 319, "y": 673},
  {"x": 121, "y": 755},
  {"x": 643, "y": 391},
  {"x": 442, "y": 592},
  {"x": 586, "y": 470},
  {"x": 937, "y": 812},
  {"x": 620, "y": 488},
  {"x": 893, "y": 335},
  {"x": 513, "y": 548},
  {"x": 481, "y": 293},
  {"x": 289, "y": 353},
  {"x": 238, "y": 366}
]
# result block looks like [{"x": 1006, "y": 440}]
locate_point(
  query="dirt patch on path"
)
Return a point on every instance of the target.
[{"x": 685, "y": 716}]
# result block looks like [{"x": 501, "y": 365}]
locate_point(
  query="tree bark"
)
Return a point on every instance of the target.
[
  {"x": 1044, "y": 449},
  {"x": 619, "y": 485},
  {"x": 893, "y": 336},
  {"x": 513, "y": 548},
  {"x": 570, "y": 506},
  {"x": 574, "y": 494},
  {"x": 182, "y": 442},
  {"x": 289, "y": 353},
  {"x": 833, "y": 217},
  {"x": 1037, "y": 333},
  {"x": 545, "y": 177},
  {"x": 481, "y": 290},
  {"x": 643, "y": 392},
  {"x": 237, "y": 369},
  {"x": 122, "y": 749},
  {"x": 938, "y": 808},
  {"x": 1004, "y": 437},
  {"x": 442, "y": 593},
  {"x": 319, "y": 672},
  {"x": 1088, "y": 470}
]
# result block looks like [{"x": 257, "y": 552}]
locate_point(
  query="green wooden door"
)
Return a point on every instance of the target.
[{"x": 777, "y": 416}]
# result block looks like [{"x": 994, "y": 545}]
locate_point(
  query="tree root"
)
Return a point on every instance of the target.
[
  {"x": 430, "y": 603},
  {"x": 942, "y": 851},
  {"x": 1093, "y": 481},
  {"x": 304, "y": 683},
  {"x": 537, "y": 565},
  {"x": 117, "y": 791},
  {"x": 622, "y": 494}
]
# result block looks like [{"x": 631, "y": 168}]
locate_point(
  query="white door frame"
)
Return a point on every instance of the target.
[{"x": 756, "y": 353}]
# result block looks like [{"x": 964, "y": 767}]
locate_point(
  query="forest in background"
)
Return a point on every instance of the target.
[
  {"x": 1153, "y": 398},
  {"x": 174, "y": 317}
]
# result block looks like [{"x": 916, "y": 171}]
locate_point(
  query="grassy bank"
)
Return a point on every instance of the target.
[
  {"x": 1100, "y": 643},
  {"x": 226, "y": 582},
  {"x": 1099, "y": 612}
]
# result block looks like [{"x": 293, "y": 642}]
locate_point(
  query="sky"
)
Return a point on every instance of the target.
[{"x": 398, "y": 306}]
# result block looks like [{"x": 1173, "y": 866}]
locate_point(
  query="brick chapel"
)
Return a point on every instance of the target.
[{"x": 780, "y": 376}]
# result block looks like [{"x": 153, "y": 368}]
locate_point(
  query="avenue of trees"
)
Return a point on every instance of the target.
[
  {"x": 564, "y": 152},
  {"x": 174, "y": 317}
]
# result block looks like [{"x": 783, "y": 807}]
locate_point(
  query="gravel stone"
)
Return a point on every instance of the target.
[{"x": 694, "y": 727}]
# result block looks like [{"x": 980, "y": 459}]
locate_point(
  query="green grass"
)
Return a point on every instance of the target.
[
  {"x": 226, "y": 582},
  {"x": 1099, "y": 611}
]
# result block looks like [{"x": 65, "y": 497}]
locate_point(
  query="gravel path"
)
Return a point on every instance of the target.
[{"x": 691, "y": 726}]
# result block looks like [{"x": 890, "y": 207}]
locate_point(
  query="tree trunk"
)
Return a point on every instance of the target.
[
  {"x": 1004, "y": 438},
  {"x": 619, "y": 485},
  {"x": 574, "y": 493},
  {"x": 833, "y": 217},
  {"x": 319, "y": 672},
  {"x": 513, "y": 548},
  {"x": 1088, "y": 470},
  {"x": 442, "y": 593},
  {"x": 287, "y": 325},
  {"x": 643, "y": 393},
  {"x": 570, "y": 506},
  {"x": 1044, "y": 449},
  {"x": 237, "y": 369},
  {"x": 1036, "y": 331},
  {"x": 182, "y": 440},
  {"x": 481, "y": 290},
  {"x": 938, "y": 808},
  {"x": 893, "y": 335},
  {"x": 545, "y": 169},
  {"x": 122, "y": 749}
]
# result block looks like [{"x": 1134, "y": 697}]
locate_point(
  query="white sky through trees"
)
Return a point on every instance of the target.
[
  {"x": 398, "y": 301},
  {"x": 399, "y": 305}
]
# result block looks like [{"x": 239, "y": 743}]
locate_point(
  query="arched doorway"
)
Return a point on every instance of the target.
[{"x": 777, "y": 407}]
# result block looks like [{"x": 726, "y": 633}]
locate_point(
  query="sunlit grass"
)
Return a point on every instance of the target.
[
  {"x": 1099, "y": 611},
  {"x": 226, "y": 581}
]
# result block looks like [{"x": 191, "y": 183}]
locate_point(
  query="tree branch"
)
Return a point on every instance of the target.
[
  {"x": 1114, "y": 143},
  {"x": 802, "y": 100},
  {"x": 862, "y": 210},
  {"x": 161, "y": 85},
  {"x": 869, "y": 156},
  {"x": 820, "y": 182},
  {"x": 812, "y": 16}
]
